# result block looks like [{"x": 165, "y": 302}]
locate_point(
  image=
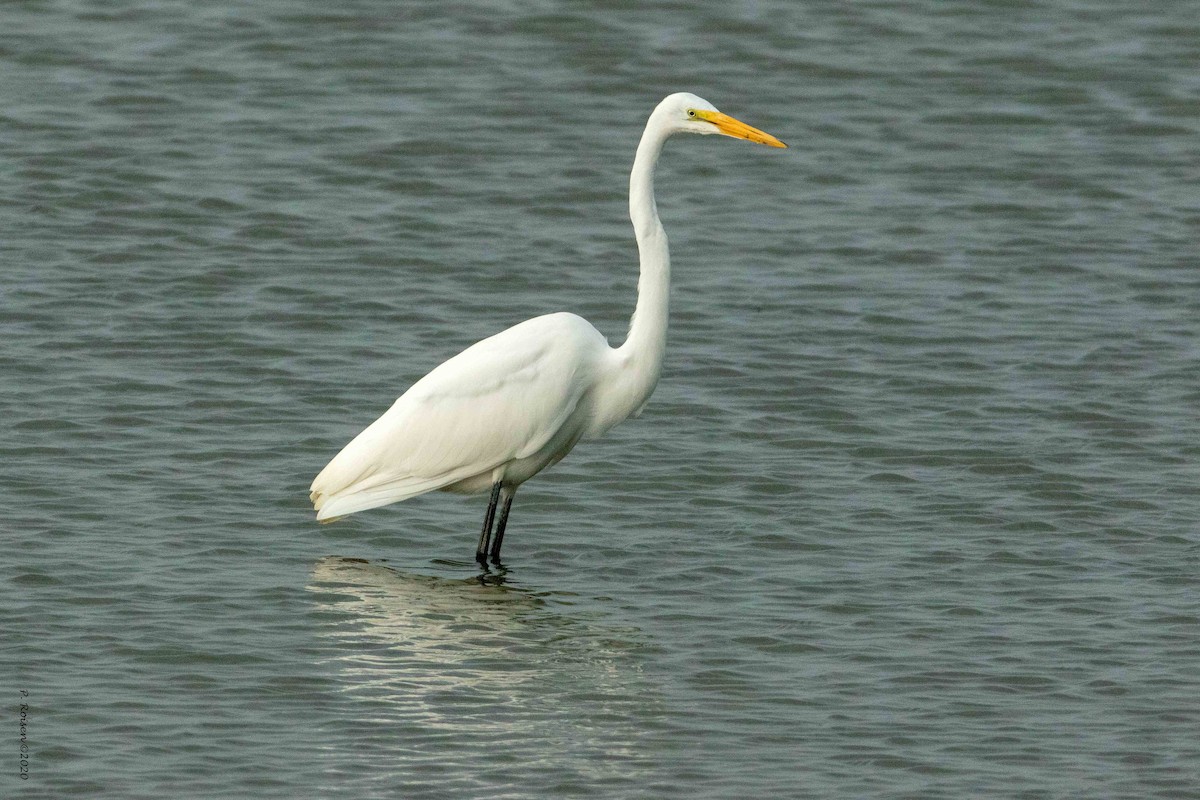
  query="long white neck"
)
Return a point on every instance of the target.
[{"x": 642, "y": 352}]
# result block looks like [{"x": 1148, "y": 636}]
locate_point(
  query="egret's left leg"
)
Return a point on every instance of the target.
[
  {"x": 506, "y": 498},
  {"x": 486, "y": 534}
]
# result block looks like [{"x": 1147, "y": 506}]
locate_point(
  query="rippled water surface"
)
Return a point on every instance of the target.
[{"x": 913, "y": 512}]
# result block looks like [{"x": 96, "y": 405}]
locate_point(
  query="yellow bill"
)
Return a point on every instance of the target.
[{"x": 738, "y": 129}]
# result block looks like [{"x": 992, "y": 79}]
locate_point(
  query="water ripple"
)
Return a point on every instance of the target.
[{"x": 912, "y": 513}]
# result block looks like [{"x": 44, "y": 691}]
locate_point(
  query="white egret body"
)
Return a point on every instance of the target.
[{"x": 507, "y": 407}]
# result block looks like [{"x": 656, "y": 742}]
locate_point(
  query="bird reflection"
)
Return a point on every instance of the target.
[{"x": 478, "y": 673}]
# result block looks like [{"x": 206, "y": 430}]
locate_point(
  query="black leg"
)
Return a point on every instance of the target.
[
  {"x": 486, "y": 534},
  {"x": 508, "y": 495}
]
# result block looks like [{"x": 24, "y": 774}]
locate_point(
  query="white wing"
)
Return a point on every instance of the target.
[{"x": 501, "y": 399}]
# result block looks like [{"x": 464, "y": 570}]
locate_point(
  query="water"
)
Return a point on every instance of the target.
[{"x": 913, "y": 512}]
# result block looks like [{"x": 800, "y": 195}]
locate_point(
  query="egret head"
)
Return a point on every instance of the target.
[{"x": 686, "y": 113}]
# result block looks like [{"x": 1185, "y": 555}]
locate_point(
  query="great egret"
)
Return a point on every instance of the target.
[{"x": 507, "y": 407}]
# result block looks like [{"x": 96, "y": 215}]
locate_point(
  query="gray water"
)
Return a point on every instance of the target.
[{"x": 913, "y": 512}]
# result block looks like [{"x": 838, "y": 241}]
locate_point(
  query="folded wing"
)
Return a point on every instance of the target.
[{"x": 499, "y": 400}]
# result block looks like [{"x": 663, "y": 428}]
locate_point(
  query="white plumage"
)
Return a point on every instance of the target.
[
  {"x": 507, "y": 407},
  {"x": 513, "y": 397}
]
